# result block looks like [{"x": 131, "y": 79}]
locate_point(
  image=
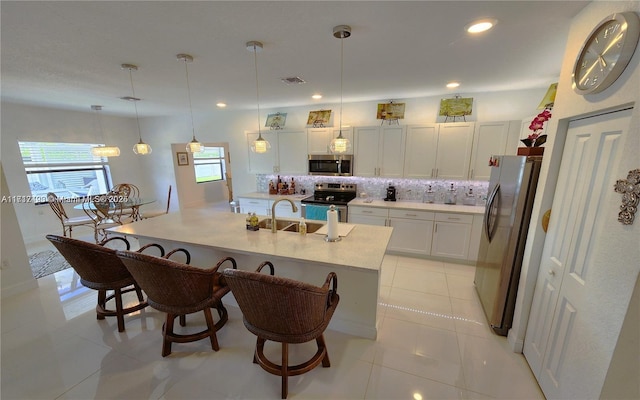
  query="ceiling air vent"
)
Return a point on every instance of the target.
[{"x": 295, "y": 80}]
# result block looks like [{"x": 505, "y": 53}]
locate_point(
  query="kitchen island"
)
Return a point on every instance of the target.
[{"x": 210, "y": 235}]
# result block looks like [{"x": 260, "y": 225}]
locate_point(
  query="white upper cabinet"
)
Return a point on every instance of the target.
[
  {"x": 440, "y": 151},
  {"x": 489, "y": 139},
  {"x": 421, "y": 151},
  {"x": 288, "y": 153},
  {"x": 319, "y": 139},
  {"x": 455, "y": 140},
  {"x": 380, "y": 151}
]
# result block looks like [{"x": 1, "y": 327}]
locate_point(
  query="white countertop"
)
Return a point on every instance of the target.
[
  {"x": 362, "y": 248},
  {"x": 414, "y": 205}
]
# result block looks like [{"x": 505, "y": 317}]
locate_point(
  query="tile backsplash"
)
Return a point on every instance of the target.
[{"x": 407, "y": 189}]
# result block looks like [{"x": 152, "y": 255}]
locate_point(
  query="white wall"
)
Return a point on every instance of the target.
[
  {"x": 617, "y": 251},
  {"x": 155, "y": 172},
  {"x": 16, "y": 275}
]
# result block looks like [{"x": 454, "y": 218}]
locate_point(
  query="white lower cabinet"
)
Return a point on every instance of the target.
[
  {"x": 368, "y": 215},
  {"x": 263, "y": 207},
  {"x": 258, "y": 206},
  {"x": 412, "y": 231},
  {"x": 451, "y": 235},
  {"x": 423, "y": 232}
]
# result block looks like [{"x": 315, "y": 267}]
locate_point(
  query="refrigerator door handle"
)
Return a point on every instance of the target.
[{"x": 491, "y": 211}]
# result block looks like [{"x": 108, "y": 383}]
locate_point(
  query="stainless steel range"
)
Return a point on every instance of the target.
[{"x": 325, "y": 195}]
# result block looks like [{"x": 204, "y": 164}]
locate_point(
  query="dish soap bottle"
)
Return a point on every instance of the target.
[
  {"x": 429, "y": 196},
  {"x": 302, "y": 227},
  {"x": 469, "y": 198},
  {"x": 451, "y": 195}
]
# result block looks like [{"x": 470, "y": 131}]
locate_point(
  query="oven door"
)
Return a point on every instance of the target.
[{"x": 318, "y": 212}]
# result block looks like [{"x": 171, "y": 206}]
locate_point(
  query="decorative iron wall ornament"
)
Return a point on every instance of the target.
[{"x": 630, "y": 190}]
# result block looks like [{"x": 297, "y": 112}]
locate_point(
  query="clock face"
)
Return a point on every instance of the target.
[{"x": 606, "y": 53}]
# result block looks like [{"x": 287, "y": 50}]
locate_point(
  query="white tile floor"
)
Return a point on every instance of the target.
[{"x": 433, "y": 342}]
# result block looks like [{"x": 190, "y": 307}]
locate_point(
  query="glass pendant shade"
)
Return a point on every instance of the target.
[
  {"x": 340, "y": 144},
  {"x": 194, "y": 146},
  {"x": 105, "y": 151},
  {"x": 260, "y": 145},
  {"x": 141, "y": 148}
]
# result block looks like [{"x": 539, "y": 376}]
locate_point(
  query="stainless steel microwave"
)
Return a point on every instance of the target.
[{"x": 330, "y": 164}]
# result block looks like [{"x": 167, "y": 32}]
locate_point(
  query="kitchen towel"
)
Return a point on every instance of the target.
[{"x": 319, "y": 213}]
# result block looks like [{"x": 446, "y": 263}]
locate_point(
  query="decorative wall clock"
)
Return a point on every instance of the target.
[{"x": 606, "y": 53}]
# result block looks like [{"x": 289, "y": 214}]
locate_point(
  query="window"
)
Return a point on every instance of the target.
[
  {"x": 210, "y": 164},
  {"x": 67, "y": 169}
]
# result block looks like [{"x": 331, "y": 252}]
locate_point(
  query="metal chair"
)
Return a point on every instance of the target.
[
  {"x": 179, "y": 289},
  {"x": 286, "y": 311},
  {"x": 67, "y": 223},
  {"x": 105, "y": 213},
  {"x": 100, "y": 269}
]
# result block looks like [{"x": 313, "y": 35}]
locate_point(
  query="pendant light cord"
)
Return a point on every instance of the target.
[
  {"x": 341, "y": 73},
  {"x": 255, "y": 61},
  {"x": 186, "y": 69},
  {"x": 135, "y": 103}
]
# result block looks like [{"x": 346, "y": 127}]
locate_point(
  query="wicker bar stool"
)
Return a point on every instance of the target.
[
  {"x": 100, "y": 269},
  {"x": 179, "y": 289},
  {"x": 286, "y": 311}
]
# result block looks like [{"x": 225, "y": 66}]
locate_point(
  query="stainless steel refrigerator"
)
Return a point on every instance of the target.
[{"x": 512, "y": 188}]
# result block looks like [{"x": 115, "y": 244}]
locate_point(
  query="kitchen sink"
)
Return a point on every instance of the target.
[{"x": 288, "y": 225}]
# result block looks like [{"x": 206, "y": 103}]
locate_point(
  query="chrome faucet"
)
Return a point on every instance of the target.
[{"x": 273, "y": 212}]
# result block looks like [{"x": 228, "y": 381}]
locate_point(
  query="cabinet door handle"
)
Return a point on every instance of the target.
[
  {"x": 411, "y": 215},
  {"x": 437, "y": 170},
  {"x": 472, "y": 171},
  {"x": 453, "y": 219},
  {"x": 367, "y": 212}
]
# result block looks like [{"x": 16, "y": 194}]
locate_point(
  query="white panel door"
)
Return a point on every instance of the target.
[
  {"x": 489, "y": 139},
  {"x": 265, "y": 163},
  {"x": 562, "y": 320},
  {"x": 292, "y": 152},
  {"x": 391, "y": 156},
  {"x": 455, "y": 140},
  {"x": 367, "y": 140},
  {"x": 420, "y": 151}
]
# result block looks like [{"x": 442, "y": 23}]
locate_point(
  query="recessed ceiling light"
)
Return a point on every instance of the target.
[
  {"x": 221, "y": 105},
  {"x": 316, "y": 96},
  {"x": 481, "y": 25},
  {"x": 452, "y": 85}
]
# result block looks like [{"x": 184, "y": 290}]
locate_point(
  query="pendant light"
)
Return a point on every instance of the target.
[
  {"x": 259, "y": 145},
  {"x": 140, "y": 148},
  {"x": 193, "y": 146},
  {"x": 341, "y": 144},
  {"x": 103, "y": 151}
]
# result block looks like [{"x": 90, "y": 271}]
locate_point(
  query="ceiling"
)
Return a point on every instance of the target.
[{"x": 68, "y": 54}]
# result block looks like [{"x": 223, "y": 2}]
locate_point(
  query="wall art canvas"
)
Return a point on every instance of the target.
[
  {"x": 388, "y": 111},
  {"x": 276, "y": 121},
  {"x": 456, "y": 107},
  {"x": 319, "y": 118}
]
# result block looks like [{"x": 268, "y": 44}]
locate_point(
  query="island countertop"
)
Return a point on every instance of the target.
[{"x": 362, "y": 248}]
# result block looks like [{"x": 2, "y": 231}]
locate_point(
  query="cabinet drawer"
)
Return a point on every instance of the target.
[
  {"x": 371, "y": 211},
  {"x": 459, "y": 218},
  {"x": 412, "y": 214}
]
